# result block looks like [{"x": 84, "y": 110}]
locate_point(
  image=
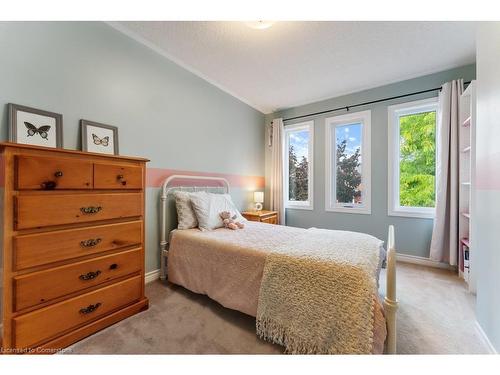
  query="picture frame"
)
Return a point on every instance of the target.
[
  {"x": 35, "y": 127},
  {"x": 99, "y": 138}
]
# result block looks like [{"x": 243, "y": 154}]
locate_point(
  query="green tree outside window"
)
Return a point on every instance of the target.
[
  {"x": 348, "y": 176},
  {"x": 417, "y": 162},
  {"x": 298, "y": 177}
]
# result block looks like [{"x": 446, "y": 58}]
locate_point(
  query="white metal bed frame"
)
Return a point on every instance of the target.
[
  {"x": 390, "y": 302},
  {"x": 165, "y": 223}
]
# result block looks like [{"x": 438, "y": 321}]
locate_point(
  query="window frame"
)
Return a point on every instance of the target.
[
  {"x": 331, "y": 123},
  {"x": 300, "y": 205},
  {"x": 394, "y": 112}
]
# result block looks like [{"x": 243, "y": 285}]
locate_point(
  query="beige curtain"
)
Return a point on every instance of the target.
[
  {"x": 276, "y": 184},
  {"x": 444, "y": 242}
]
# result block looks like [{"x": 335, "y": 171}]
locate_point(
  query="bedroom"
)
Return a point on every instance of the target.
[{"x": 323, "y": 139}]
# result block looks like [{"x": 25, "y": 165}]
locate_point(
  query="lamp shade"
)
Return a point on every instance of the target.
[{"x": 258, "y": 197}]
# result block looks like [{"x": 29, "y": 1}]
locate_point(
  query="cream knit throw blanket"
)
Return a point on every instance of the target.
[{"x": 317, "y": 293}]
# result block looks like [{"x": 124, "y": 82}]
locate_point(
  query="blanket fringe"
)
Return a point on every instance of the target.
[{"x": 271, "y": 331}]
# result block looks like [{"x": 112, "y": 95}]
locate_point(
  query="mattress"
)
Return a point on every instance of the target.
[{"x": 227, "y": 265}]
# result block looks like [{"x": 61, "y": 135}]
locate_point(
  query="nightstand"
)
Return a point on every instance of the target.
[{"x": 263, "y": 216}]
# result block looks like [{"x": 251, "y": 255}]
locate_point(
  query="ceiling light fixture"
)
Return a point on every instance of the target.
[{"x": 260, "y": 25}]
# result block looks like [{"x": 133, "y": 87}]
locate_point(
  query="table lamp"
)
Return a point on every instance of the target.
[{"x": 258, "y": 198}]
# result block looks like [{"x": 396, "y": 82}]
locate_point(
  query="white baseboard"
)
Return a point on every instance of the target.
[
  {"x": 423, "y": 261},
  {"x": 152, "y": 276},
  {"x": 491, "y": 348}
]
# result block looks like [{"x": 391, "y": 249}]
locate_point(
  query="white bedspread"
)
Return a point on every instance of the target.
[{"x": 228, "y": 266}]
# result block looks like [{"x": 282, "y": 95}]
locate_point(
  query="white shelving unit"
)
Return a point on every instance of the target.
[{"x": 467, "y": 162}]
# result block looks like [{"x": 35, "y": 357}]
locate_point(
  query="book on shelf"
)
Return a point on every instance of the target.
[
  {"x": 466, "y": 258},
  {"x": 465, "y": 263}
]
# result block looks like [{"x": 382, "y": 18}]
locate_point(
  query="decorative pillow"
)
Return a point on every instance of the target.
[
  {"x": 186, "y": 218},
  {"x": 208, "y": 206}
]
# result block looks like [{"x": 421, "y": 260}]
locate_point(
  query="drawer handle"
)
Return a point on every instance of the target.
[
  {"x": 48, "y": 185},
  {"x": 90, "y": 275},
  {"x": 120, "y": 178},
  {"x": 58, "y": 174},
  {"x": 90, "y": 242},
  {"x": 90, "y": 308},
  {"x": 90, "y": 209}
]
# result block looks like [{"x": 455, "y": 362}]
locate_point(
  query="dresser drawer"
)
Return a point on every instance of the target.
[
  {"x": 45, "y": 173},
  {"x": 39, "y": 287},
  {"x": 116, "y": 176},
  {"x": 44, "y": 210},
  {"x": 50, "y": 322},
  {"x": 73, "y": 243}
]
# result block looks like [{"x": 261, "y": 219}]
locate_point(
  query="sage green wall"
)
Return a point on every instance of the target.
[
  {"x": 412, "y": 235},
  {"x": 165, "y": 113}
]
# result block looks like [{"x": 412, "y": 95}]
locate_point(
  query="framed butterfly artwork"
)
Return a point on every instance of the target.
[
  {"x": 100, "y": 138},
  {"x": 35, "y": 126}
]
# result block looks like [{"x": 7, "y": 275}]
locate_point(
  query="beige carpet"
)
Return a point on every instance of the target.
[{"x": 436, "y": 317}]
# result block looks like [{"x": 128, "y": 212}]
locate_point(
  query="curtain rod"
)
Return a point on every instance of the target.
[{"x": 348, "y": 107}]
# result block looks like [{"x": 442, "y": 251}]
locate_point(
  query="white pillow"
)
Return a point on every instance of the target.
[
  {"x": 208, "y": 207},
  {"x": 186, "y": 218}
]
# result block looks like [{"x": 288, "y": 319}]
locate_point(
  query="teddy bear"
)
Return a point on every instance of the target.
[{"x": 230, "y": 222}]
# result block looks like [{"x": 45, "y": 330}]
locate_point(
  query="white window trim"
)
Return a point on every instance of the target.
[
  {"x": 394, "y": 112},
  {"x": 306, "y": 205},
  {"x": 330, "y": 123}
]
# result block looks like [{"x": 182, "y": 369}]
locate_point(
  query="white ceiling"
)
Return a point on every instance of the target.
[{"x": 294, "y": 63}]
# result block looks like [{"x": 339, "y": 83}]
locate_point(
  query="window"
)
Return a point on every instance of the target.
[
  {"x": 298, "y": 165},
  {"x": 348, "y": 165},
  {"x": 412, "y": 158}
]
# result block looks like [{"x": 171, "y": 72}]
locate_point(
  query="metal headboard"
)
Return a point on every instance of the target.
[{"x": 168, "y": 212}]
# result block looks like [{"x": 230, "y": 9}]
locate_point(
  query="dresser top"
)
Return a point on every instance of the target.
[{"x": 5, "y": 145}]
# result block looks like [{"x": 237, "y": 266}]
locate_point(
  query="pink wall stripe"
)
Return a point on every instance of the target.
[
  {"x": 155, "y": 177},
  {"x": 488, "y": 172}
]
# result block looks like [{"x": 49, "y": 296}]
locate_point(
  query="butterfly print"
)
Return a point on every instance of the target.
[
  {"x": 42, "y": 130},
  {"x": 100, "y": 141}
]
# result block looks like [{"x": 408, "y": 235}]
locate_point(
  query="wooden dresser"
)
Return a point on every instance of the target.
[{"x": 73, "y": 245}]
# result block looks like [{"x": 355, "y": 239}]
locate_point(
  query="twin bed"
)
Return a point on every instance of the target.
[{"x": 310, "y": 290}]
